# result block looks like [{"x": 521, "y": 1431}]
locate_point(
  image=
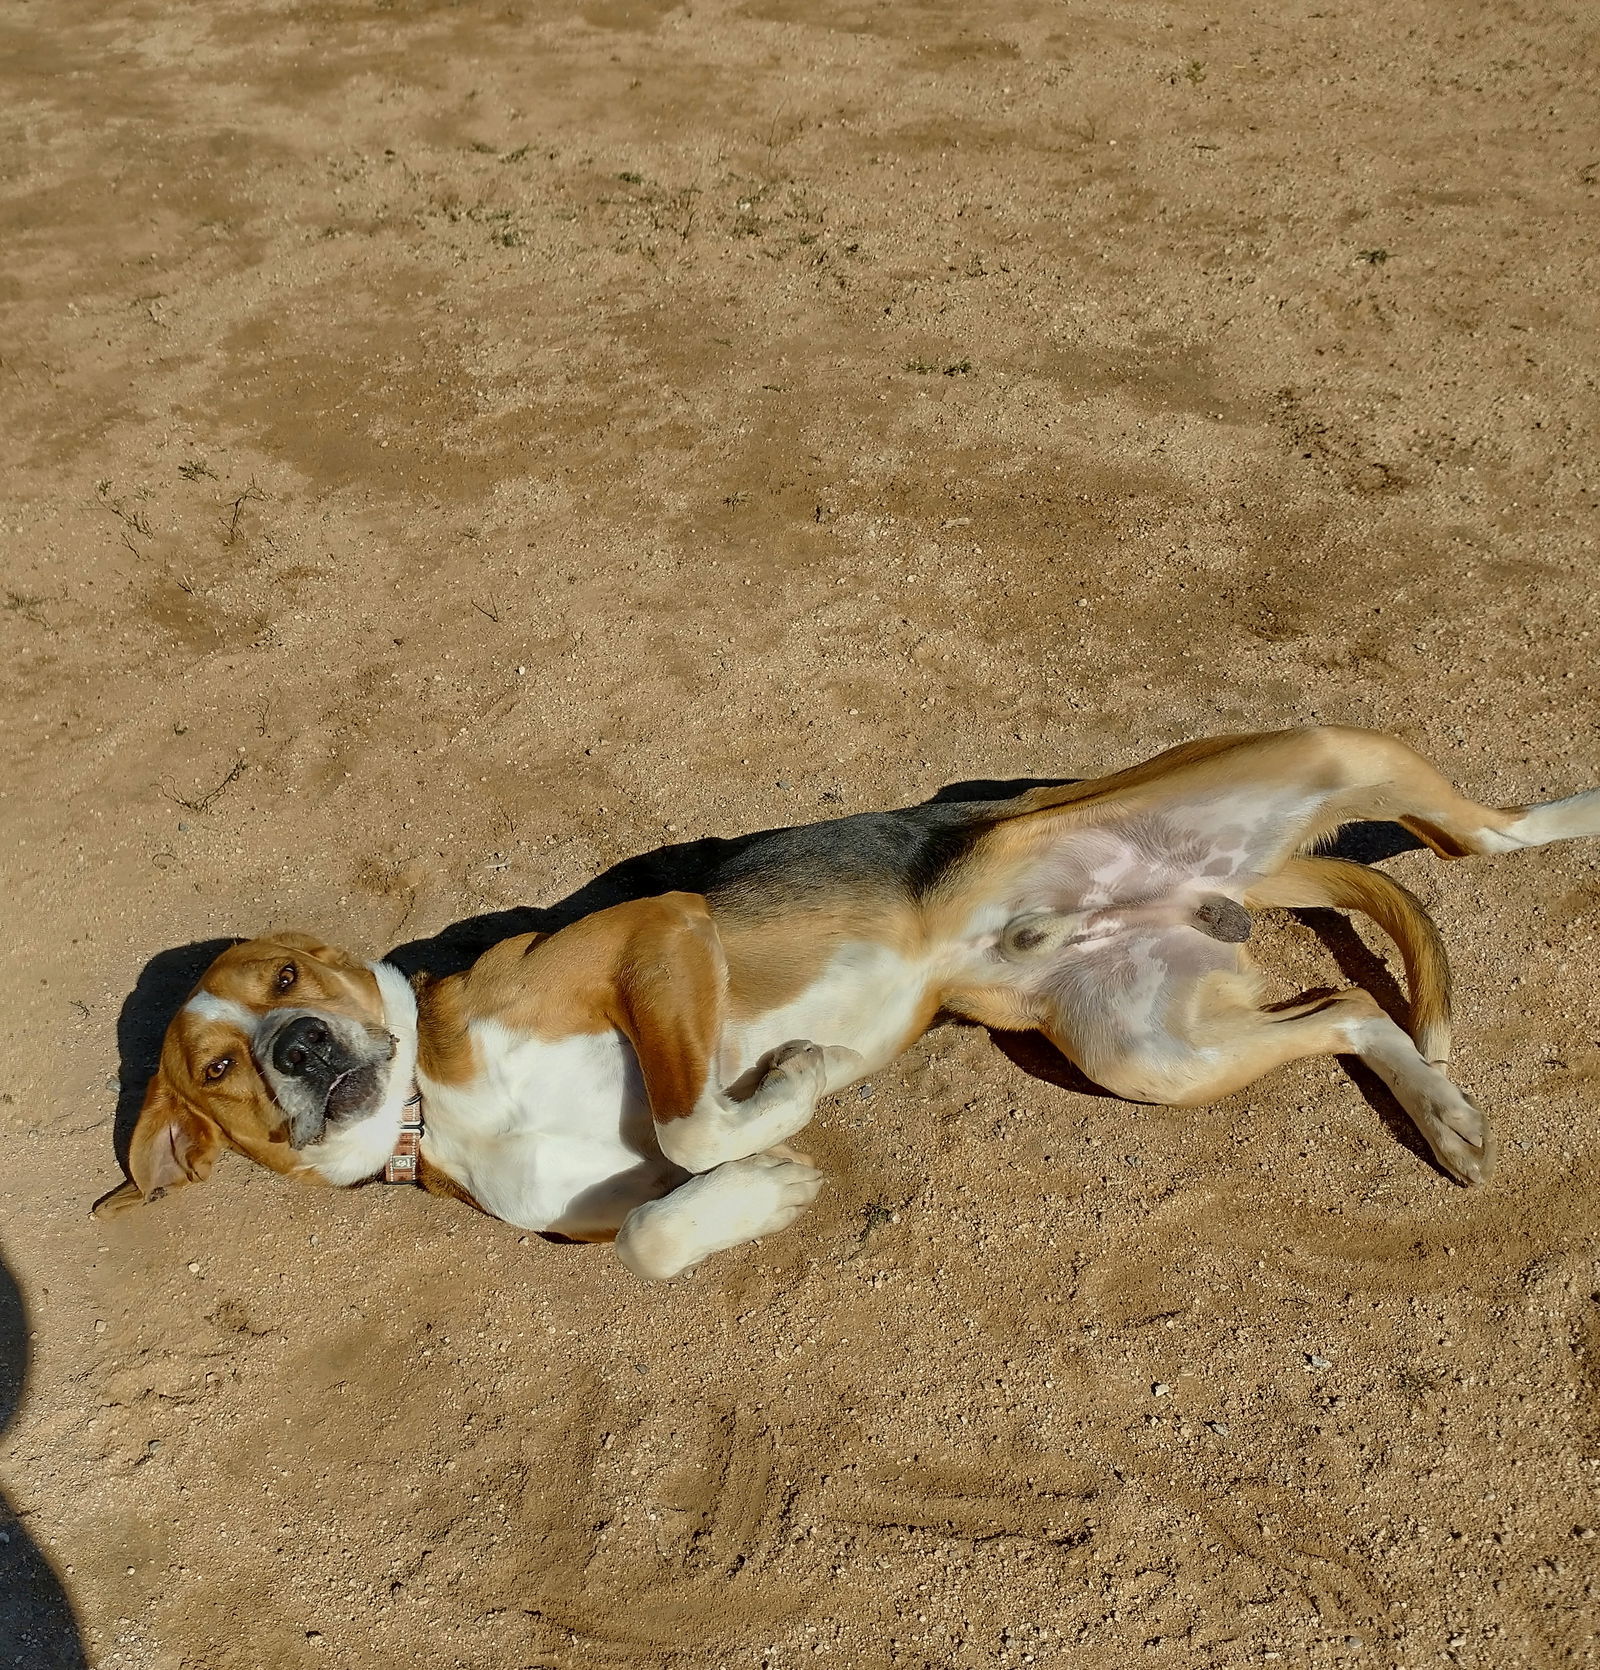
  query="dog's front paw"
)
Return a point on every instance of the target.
[
  {"x": 763, "y": 1194},
  {"x": 795, "y": 1057},
  {"x": 812, "y": 1069},
  {"x": 740, "y": 1201}
]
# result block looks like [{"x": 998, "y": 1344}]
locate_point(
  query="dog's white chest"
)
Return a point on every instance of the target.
[{"x": 544, "y": 1124}]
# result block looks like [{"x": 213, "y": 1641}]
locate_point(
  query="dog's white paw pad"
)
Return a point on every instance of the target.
[
  {"x": 1460, "y": 1136},
  {"x": 752, "y": 1197},
  {"x": 794, "y": 1060}
]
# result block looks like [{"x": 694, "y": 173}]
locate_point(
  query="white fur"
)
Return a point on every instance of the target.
[
  {"x": 1557, "y": 820},
  {"x": 721, "y": 1129},
  {"x": 557, "y": 1134},
  {"x": 548, "y": 1133},
  {"x": 738, "y": 1202},
  {"x": 207, "y": 1006},
  {"x": 1455, "y": 1130},
  {"x": 865, "y": 1000}
]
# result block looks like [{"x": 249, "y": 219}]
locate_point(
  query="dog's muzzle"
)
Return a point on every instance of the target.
[{"x": 324, "y": 1070}]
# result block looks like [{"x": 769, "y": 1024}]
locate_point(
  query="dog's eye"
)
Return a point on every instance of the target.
[
  {"x": 287, "y": 975},
  {"x": 218, "y": 1068}
]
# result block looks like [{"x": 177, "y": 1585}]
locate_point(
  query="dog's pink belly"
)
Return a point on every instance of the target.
[{"x": 1146, "y": 859}]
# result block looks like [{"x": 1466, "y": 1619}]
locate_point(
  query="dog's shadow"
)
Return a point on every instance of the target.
[{"x": 169, "y": 977}]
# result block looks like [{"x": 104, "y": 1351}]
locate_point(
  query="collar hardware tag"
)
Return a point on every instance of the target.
[{"x": 404, "y": 1165}]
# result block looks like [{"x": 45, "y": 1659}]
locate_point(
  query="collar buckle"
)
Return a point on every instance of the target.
[{"x": 404, "y": 1165}]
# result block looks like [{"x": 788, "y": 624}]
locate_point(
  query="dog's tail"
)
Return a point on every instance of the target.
[{"x": 1320, "y": 882}]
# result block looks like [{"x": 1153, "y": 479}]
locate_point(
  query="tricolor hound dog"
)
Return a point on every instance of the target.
[{"x": 634, "y": 1076}]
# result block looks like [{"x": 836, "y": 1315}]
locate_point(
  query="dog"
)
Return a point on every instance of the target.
[{"x": 635, "y": 1077}]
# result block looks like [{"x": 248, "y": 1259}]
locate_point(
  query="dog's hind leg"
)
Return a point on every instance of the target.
[
  {"x": 1282, "y": 790},
  {"x": 1227, "y": 1042},
  {"x": 1555, "y": 820},
  {"x": 1390, "y": 780}
]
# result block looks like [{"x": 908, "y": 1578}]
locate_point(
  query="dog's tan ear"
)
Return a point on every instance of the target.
[{"x": 172, "y": 1145}]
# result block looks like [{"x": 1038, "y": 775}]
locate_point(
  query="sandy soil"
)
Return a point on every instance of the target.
[{"x": 453, "y": 447}]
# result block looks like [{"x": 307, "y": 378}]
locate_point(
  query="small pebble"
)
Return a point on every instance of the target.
[
  {"x": 99, "y": 1327},
  {"x": 1160, "y": 1389},
  {"x": 1314, "y": 1361},
  {"x": 194, "y": 1269},
  {"x": 1218, "y": 1428}
]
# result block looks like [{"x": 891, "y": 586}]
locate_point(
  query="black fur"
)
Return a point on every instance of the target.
[
  {"x": 905, "y": 853},
  {"x": 907, "y": 850}
]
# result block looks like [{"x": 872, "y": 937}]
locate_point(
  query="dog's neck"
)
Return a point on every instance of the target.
[{"x": 404, "y": 1164}]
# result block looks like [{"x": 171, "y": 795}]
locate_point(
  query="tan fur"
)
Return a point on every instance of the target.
[
  {"x": 667, "y": 983},
  {"x": 773, "y": 958},
  {"x": 326, "y": 977},
  {"x": 444, "y": 1047},
  {"x": 675, "y": 978},
  {"x": 1341, "y": 885}
]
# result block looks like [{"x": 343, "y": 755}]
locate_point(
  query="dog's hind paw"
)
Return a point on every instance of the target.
[{"x": 1458, "y": 1132}]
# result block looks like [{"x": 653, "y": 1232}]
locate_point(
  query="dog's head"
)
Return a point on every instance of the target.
[{"x": 291, "y": 1052}]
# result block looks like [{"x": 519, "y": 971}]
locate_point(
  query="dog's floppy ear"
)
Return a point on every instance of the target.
[{"x": 172, "y": 1145}]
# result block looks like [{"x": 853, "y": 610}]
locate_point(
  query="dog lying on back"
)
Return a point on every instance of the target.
[{"x": 635, "y": 1077}]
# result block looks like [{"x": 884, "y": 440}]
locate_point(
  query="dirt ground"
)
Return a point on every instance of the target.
[{"x": 450, "y": 448}]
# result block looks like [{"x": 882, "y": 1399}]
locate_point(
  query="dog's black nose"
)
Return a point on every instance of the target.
[{"x": 302, "y": 1048}]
